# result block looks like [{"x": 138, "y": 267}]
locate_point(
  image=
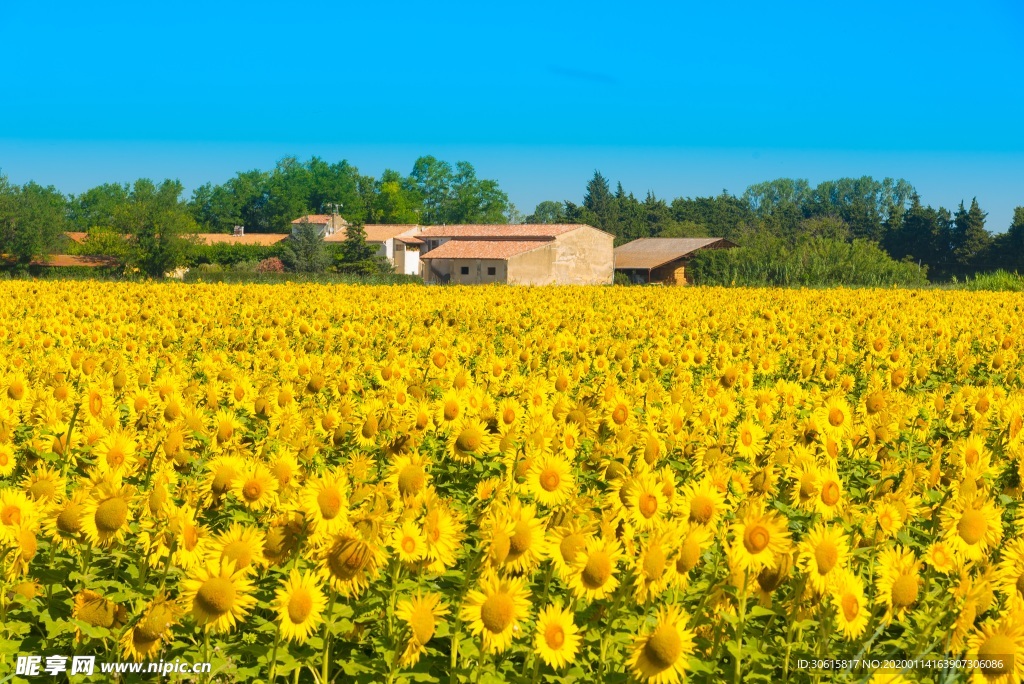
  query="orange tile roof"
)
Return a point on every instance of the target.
[
  {"x": 483, "y": 249},
  {"x": 313, "y": 218},
  {"x": 77, "y": 237},
  {"x": 537, "y": 231},
  {"x": 264, "y": 239},
  {"x": 71, "y": 260},
  {"x": 375, "y": 232},
  {"x": 649, "y": 253}
]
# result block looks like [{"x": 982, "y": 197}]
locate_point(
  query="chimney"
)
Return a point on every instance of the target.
[{"x": 239, "y": 231}]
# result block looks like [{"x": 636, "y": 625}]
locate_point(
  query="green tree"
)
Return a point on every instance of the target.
[
  {"x": 32, "y": 220},
  {"x": 394, "y": 201},
  {"x": 684, "y": 229},
  {"x": 1008, "y": 249},
  {"x": 358, "y": 256},
  {"x": 970, "y": 239},
  {"x": 548, "y": 212},
  {"x": 723, "y": 215},
  {"x": 156, "y": 223},
  {"x": 456, "y": 195},
  {"x": 305, "y": 251},
  {"x": 97, "y": 206}
]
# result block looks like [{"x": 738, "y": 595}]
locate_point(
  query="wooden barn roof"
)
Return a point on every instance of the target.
[{"x": 648, "y": 253}]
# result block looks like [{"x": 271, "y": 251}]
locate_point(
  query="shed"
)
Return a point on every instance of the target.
[{"x": 662, "y": 260}]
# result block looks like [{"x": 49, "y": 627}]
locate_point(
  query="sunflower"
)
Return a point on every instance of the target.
[
  {"x": 836, "y": 418},
  {"x": 349, "y": 561},
  {"x": 758, "y": 541},
  {"x": 646, "y": 503},
  {"x": 408, "y": 542},
  {"x": 661, "y": 652},
  {"x": 897, "y": 585},
  {"x": 1010, "y": 572},
  {"x": 823, "y": 554},
  {"x": 653, "y": 569},
  {"x": 750, "y": 440},
  {"x": 694, "y": 541},
  {"x": 227, "y": 429},
  {"x": 971, "y": 528},
  {"x": 998, "y": 646},
  {"x": 494, "y": 610},
  {"x": 218, "y": 595},
  {"x": 829, "y": 501},
  {"x": 442, "y": 530},
  {"x": 324, "y": 501},
  {"x": 256, "y": 487},
  {"x": 8, "y": 462},
  {"x": 240, "y": 545},
  {"x": 144, "y": 638},
  {"x": 63, "y": 522},
  {"x": 45, "y": 485},
  {"x": 702, "y": 503},
  {"x": 550, "y": 481},
  {"x": 526, "y": 547},
  {"x": 408, "y": 476},
  {"x": 852, "y": 612},
  {"x": 593, "y": 573},
  {"x": 190, "y": 540},
  {"x": 557, "y": 638},
  {"x": 221, "y": 475},
  {"x": 941, "y": 558},
  {"x": 299, "y": 603},
  {"x": 420, "y": 614},
  {"x": 565, "y": 543},
  {"x": 470, "y": 441},
  {"x": 107, "y": 512},
  {"x": 92, "y": 608}
]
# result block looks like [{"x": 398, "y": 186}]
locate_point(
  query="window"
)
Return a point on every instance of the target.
[
  {"x": 491, "y": 270},
  {"x": 464, "y": 270}
]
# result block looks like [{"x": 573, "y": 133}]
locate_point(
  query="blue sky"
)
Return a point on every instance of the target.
[{"x": 680, "y": 98}]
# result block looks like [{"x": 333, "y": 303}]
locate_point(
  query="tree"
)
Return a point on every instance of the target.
[
  {"x": 32, "y": 220},
  {"x": 96, "y": 207},
  {"x": 357, "y": 256},
  {"x": 684, "y": 229},
  {"x": 970, "y": 239},
  {"x": 1007, "y": 250},
  {"x": 547, "y": 212},
  {"x": 456, "y": 195},
  {"x": 394, "y": 201},
  {"x": 924, "y": 236},
  {"x": 156, "y": 222},
  {"x": 304, "y": 251}
]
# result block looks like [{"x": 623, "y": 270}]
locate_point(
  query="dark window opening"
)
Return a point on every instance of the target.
[
  {"x": 491, "y": 270},
  {"x": 464, "y": 270}
]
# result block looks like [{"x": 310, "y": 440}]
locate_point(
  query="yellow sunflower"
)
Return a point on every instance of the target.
[
  {"x": 218, "y": 596},
  {"x": 557, "y": 638},
  {"x": 758, "y": 541},
  {"x": 593, "y": 574},
  {"x": 660, "y": 654},
  {"x": 823, "y": 554},
  {"x": 998, "y": 647},
  {"x": 852, "y": 611},
  {"x": 550, "y": 481},
  {"x": 420, "y": 614},
  {"x": 255, "y": 487},
  {"x": 299, "y": 603},
  {"x": 494, "y": 610},
  {"x": 106, "y": 513},
  {"x": 898, "y": 580}
]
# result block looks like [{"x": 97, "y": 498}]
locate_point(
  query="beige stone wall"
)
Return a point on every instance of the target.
[
  {"x": 585, "y": 256},
  {"x": 477, "y": 271},
  {"x": 534, "y": 267}
]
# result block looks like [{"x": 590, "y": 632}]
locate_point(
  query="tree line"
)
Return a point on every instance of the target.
[
  {"x": 886, "y": 212},
  {"x": 889, "y": 213}
]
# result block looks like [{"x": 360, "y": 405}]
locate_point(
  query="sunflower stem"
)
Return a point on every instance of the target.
[
  {"x": 738, "y": 673},
  {"x": 67, "y": 440},
  {"x": 325, "y": 665},
  {"x": 273, "y": 655}
]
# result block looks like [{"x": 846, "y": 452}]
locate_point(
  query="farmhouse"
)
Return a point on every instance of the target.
[
  {"x": 329, "y": 224},
  {"x": 540, "y": 254},
  {"x": 662, "y": 260},
  {"x": 399, "y": 244}
]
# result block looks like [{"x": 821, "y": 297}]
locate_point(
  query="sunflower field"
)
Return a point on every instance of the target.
[{"x": 306, "y": 483}]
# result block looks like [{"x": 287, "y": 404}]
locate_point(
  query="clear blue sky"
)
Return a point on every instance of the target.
[{"x": 681, "y": 98}]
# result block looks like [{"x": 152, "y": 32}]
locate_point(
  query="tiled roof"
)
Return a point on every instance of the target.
[
  {"x": 482, "y": 249},
  {"x": 650, "y": 253},
  {"x": 313, "y": 218},
  {"x": 78, "y": 237},
  {"x": 71, "y": 260},
  {"x": 538, "y": 231},
  {"x": 375, "y": 232},
  {"x": 264, "y": 239}
]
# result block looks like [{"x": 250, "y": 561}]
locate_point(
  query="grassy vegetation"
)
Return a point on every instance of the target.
[
  {"x": 997, "y": 281},
  {"x": 816, "y": 262}
]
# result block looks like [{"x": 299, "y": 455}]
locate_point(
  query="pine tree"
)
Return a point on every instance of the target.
[
  {"x": 598, "y": 200},
  {"x": 970, "y": 239}
]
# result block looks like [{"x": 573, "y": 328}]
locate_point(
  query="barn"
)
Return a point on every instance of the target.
[{"x": 662, "y": 260}]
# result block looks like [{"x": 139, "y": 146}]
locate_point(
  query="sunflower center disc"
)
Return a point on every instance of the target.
[
  {"x": 496, "y": 612},
  {"x": 597, "y": 570},
  {"x": 111, "y": 514},
  {"x": 904, "y": 591},
  {"x": 216, "y": 596},
  {"x": 663, "y": 647},
  {"x": 972, "y": 526},
  {"x": 554, "y": 636},
  {"x": 300, "y": 606}
]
